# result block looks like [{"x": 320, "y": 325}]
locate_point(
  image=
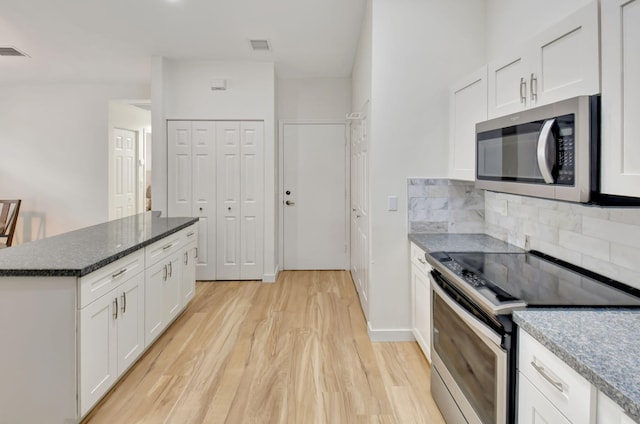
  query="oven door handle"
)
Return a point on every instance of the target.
[{"x": 466, "y": 316}]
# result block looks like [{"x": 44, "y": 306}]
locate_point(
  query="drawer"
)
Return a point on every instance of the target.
[
  {"x": 190, "y": 234},
  {"x": 164, "y": 247},
  {"x": 103, "y": 280},
  {"x": 418, "y": 258},
  {"x": 567, "y": 390}
]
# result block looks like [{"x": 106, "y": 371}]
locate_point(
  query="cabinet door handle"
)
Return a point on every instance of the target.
[
  {"x": 533, "y": 87},
  {"x": 119, "y": 273},
  {"x": 543, "y": 372},
  {"x": 186, "y": 258},
  {"x": 115, "y": 309},
  {"x": 124, "y": 302},
  {"x": 164, "y": 273},
  {"x": 196, "y": 252},
  {"x": 523, "y": 90},
  {"x": 170, "y": 269}
]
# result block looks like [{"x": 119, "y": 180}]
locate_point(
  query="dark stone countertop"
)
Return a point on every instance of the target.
[{"x": 80, "y": 252}]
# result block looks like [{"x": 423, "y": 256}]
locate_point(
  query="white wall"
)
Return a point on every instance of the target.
[
  {"x": 123, "y": 115},
  {"x": 511, "y": 22},
  {"x": 181, "y": 90},
  {"x": 53, "y": 153},
  {"x": 418, "y": 49},
  {"x": 361, "y": 73},
  {"x": 314, "y": 98}
]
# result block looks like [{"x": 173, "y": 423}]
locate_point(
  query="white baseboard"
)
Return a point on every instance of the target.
[
  {"x": 390, "y": 335},
  {"x": 271, "y": 278}
]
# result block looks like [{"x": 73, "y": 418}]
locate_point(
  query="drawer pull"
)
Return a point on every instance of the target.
[
  {"x": 168, "y": 246},
  {"x": 190, "y": 234},
  {"x": 543, "y": 372},
  {"x": 422, "y": 261},
  {"x": 119, "y": 273}
]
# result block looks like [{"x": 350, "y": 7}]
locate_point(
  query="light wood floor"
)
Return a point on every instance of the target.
[{"x": 296, "y": 351}]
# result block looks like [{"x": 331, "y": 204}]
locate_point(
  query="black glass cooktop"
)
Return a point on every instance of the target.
[{"x": 536, "y": 279}]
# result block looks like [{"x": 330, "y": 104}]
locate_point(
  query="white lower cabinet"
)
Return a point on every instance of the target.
[
  {"x": 121, "y": 314},
  {"x": 190, "y": 256},
  {"x": 534, "y": 408},
  {"x": 421, "y": 300},
  {"x": 111, "y": 338},
  {"x": 610, "y": 412}
]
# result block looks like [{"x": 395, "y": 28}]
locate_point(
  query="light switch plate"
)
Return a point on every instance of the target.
[{"x": 392, "y": 203}]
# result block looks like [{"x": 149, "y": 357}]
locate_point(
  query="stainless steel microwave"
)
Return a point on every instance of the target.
[{"x": 549, "y": 151}]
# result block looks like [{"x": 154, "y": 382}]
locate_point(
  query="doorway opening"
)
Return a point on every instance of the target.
[{"x": 129, "y": 157}]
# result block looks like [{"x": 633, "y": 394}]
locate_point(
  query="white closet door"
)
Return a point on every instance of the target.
[
  {"x": 228, "y": 200},
  {"x": 251, "y": 194},
  {"x": 179, "y": 168},
  {"x": 203, "y": 163}
]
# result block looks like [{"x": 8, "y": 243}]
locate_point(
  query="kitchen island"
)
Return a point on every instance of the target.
[{"x": 78, "y": 309}]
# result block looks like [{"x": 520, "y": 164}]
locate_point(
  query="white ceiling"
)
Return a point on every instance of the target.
[{"x": 113, "y": 40}]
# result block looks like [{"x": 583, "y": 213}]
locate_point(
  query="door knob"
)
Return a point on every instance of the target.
[{"x": 289, "y": 203}]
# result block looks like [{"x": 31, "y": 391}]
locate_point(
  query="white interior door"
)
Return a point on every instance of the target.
[
  {"x": 125, "y": 173},
  {"x": 203, "y": 173},
  {"x": 251, "y": 197},
  {"x": 360, "y": 211},
  {"x": 314, "y": 196},
  {"x": 228, "y": 221}
]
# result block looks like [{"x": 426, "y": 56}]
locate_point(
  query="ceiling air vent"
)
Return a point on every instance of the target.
[
  {"x": 260, "y": 45},
  {"x": 11, "y": 51}
]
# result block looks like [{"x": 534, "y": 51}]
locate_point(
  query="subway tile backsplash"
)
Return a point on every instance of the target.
[
  {"x": 604, "y": 240},
  {"x": 445, "y": 206}
]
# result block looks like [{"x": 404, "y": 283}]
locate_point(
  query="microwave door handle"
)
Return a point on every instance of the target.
[{"x": 546, "y": 151}]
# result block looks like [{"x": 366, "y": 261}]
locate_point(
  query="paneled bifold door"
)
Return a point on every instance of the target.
[
  {"x": 215, "y": 173},
  {"x": 240, "y": 189}
]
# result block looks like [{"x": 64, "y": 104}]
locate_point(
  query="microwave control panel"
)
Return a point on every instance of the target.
[{"x": 565, "y": 150}]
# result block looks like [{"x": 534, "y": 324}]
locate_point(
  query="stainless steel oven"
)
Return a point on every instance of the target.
[
  {"x": 469, "y": 376},
  {"x": 474, "y": 340}
]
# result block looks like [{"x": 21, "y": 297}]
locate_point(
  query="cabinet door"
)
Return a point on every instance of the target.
[
  {"x": 189, "y": 273},
  {"x": 179, "y": 186},
  {"x": 228, "y": 218},
  {"x": 251, "y": 203},
  {"x": 421, "y": 307},
  {"x": 566, "y": 58},
  {"x": 154, "y": 316},
  {"x": 533, "y": 407},
  {"x": 468, "y": 107},
  {"x": 620, "y": 97},
  {"x": 130, "y": 322},
  {"x": 172, "y": 291},
  {"x": 98, "y": 349},
  {"x": 610, "y": 412},
  {"x": 507, "y": 84}
]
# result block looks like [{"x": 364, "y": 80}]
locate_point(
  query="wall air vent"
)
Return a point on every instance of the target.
[
  {"x": 11, "y": 51},
  {"x": 260, "y": 45}
]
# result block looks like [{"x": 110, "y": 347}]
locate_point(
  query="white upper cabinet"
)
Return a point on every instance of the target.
[
  {"x": 621, "y": 97},
  {"x": 561, "y": 62},
  {"x": 468, "y": 102}
]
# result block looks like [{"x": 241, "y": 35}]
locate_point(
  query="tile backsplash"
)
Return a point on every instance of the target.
[
  {"x": 444, "y": 206},
  {"x": 604, "y": 240}
]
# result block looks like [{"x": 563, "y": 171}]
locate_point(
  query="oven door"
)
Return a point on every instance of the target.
[{"x": 469, "y": 378}]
